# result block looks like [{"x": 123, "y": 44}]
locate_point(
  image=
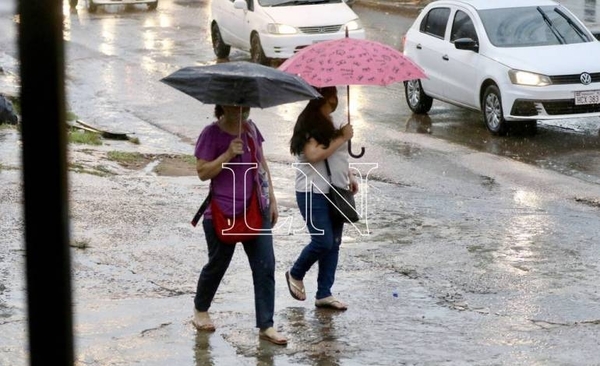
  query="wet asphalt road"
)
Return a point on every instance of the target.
[
  {"x": 472, "y": 256},
  {"x": 115, "y": 59}
]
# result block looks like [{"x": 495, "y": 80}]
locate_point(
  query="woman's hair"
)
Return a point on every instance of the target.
[
  {"x": 313, "y": 123},
  {"x": 219, "y": 111}
]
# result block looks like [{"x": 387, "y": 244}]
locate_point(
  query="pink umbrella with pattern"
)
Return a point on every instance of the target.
[{"x": 351, "y": 61}]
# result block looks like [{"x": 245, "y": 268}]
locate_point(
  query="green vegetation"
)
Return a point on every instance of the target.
[
  {"x": 83, "y": 137},
  {"x": 7, "y": 167},
  {"x": 125, "y": 157},
  {"x": 100, "y": 171},
  {"x": 189, "y": 159},
  {"x": 80, "y": 244},
  {"x": 16, "y": 103},
  {"x": 71, "y": 116}
]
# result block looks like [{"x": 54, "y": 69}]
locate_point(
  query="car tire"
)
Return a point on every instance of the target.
[
  {"x": 92, "y": 7},
  {"x": 417, "y": 100},
  {"x": 219, "y": 47},
  {"x": 153, "y": 6},
  {"x": 73, "y": 3},
  {"x": 491, "y": 107},
  {"x": 257, "y": 54}
]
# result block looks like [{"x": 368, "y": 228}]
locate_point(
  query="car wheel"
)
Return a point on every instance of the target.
[
  {"x": 219, "y": 47},
  {"x": 152, "y": 6},
  {"x": 417, "y": 100},
  {"x": 73, "y": 3},
  {"x": 492, "y": 111},
  {"x": 256, "y": 52},
  {"x": 92, "y": 7}
]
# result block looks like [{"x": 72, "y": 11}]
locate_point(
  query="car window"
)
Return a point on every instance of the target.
[
  {"x": 434, "y": 22},
  {"x": 531, "y": 26},
  {"x": 462, "y": 27}
]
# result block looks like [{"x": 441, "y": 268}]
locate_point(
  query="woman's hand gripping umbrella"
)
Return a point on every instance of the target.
[{"x": 349, "y": 61}]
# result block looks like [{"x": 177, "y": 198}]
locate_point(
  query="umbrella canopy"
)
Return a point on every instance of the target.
[
  {"x": 351, "y": 61},
  {"x": 241, "y": 83}
]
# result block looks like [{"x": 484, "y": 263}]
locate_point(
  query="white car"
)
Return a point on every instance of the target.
[
  {"x": 93, "y": 4},
  {"x": 513, "y": 60},
  {"x": 276, "y": 29}
]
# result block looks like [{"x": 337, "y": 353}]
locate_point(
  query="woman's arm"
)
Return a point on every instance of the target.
[
  {"x": 315, "y": 152},
  {"x": 209, "y": 169}
]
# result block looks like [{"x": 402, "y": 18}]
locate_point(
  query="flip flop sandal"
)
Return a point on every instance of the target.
[
  {"x": 295, "y": 287},
  {"x": 332, "y": 303}
]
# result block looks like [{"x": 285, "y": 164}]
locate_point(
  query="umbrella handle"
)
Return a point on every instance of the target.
[
  {"x": 356, "y": 156},
  {"x": 362, "y": 149}
]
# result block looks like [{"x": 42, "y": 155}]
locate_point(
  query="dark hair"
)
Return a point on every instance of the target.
[
  {"x": 219, "y": 111},
  {"x": 313, "y": 123}
]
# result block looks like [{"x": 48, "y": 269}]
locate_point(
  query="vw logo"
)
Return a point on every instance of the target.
[{"x": 585, "y": 78}]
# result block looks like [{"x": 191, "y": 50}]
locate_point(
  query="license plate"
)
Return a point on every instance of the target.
[{"x": 587, "y": 97}]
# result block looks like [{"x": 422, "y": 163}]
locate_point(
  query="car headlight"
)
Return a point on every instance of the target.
[
  {"x": 275, "y": 28},
  {"x": 528, "y": 78},
  {"x": 353, "y": 25}
]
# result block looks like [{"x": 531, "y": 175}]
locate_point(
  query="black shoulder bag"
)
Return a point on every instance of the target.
[{"x": 341, "y": 202}]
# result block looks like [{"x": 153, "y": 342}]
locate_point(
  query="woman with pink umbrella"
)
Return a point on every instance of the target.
[{"x": 322, "y": 158}]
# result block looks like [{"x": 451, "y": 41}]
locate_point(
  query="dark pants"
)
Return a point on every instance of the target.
[
  {"x": 262, "y": 263},
  {"x": 324, "y": 245}
]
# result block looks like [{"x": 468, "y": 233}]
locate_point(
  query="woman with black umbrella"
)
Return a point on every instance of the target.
[{"x": 233, "y": 138}]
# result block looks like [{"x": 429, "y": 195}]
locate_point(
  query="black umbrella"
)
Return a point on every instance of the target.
[{"x": 241, "y": 83}]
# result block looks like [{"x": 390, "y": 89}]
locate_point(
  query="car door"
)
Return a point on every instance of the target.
[
  {"x": 231, "y": 22},
  {"x": 249, "y": 22},
  {"x": 461, "y": 66},
  {"x": 426, "y": 46}
]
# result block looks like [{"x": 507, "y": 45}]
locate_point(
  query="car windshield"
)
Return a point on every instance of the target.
[
  {"x": 532, "y": 26},
  {"x": 266, "y": 3}
]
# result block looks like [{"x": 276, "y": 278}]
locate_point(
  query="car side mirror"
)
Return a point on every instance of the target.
[
  {"x": 240, "y": 4},
  {"x": 466, "y": 44}
]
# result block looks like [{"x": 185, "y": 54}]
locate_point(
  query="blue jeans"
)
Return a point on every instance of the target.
[
  {"x": 262, "y": 263},
  {"x": 325, "y": 241}
]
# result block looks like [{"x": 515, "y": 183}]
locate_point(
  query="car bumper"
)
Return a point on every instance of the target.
[
  {"x": 122, "y": 2},
  {"x": 285, "y": 46},
  {"x": 547, "y": 103}
]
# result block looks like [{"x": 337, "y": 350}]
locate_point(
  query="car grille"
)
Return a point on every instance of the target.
[
  {"x": 527, "y": 108},
  {"x": 569, "y": 107},
  {"x": 573, "y": 79},
  {"x": 324, "y": 29}
]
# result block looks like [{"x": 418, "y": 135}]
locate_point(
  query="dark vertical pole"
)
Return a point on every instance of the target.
[{"x": 45, "y": 182}]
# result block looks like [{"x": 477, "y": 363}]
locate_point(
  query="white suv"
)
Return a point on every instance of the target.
[{"x": 276, "y": 29}]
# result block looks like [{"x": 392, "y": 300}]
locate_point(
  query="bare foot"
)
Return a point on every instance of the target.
[
  {"x": 202, "y": 321},
  {"x": 271, "y": 335}
]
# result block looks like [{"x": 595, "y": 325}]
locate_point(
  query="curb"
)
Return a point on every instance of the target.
[{"x": 411, "y": 8}]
